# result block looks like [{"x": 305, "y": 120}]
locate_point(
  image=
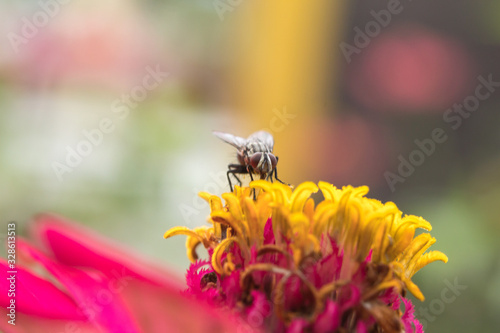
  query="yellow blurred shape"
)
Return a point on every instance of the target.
[{"x": 288, "y": 55}]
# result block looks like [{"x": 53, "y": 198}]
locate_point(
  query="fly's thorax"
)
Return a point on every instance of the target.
[{"x": 257, "y": 147}]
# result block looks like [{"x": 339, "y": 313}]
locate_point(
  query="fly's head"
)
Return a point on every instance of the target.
[{"x": 263, "y": 163}]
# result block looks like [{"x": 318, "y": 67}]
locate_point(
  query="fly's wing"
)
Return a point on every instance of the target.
[
  {"x": 233, "y": 140},
  {"x": 262, "y": 136}
]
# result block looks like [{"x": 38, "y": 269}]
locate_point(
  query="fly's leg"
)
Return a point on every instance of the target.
[
  {"x": 249, "y": 170},
  {"x": 276, "y": 176},
  {"x": 233, "y": 170},
  {"x": 270, "y": 176},
  {"x": 275, "y": 171}
]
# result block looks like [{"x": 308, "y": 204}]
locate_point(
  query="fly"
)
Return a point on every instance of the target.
[{"x": 255, "y": 156}]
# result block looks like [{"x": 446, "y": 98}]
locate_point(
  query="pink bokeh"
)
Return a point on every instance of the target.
[{"x": 410, "y": 69}]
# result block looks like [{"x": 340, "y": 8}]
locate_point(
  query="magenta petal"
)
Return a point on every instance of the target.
[
  {"x": 232, "y": 289},
  {"x": 268, "y": 232},
  {"x": 194, "y": 276},
  {"x": 160, "y": 311},
  {"x": 36, "y": 296},
  {"x": 124, "y": 303},
  {"x": 392, "y": 297},
  {"x": 117, "y": 291},
  {"x": 259, "y": 310},
  {"x": 419, "y": 328},
  {"x": 297, "y": 326},
  {"x": 99, "y": 301},
  {"x": 361, "y": 327},
  {"x": 329, "y": 320},
  {"x": 77, "y": 246},
  {"x": 409, "y": 319},
  {"x": 34, "y": 324},
  {"x": 349, "y": 297}
]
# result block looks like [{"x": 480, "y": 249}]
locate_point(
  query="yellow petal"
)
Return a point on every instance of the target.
[
  {"x": 181, "y": 231},
  {"x": 233, "y": 205},
  {"x": 264, "y": 185},
  {"x": 328, "y": 191},
  {"x": 219, "y": 251},
  {"x": 226, "y": 218},
  {"x": 413, "y": 288},
  {"x": 429, "y": 257},
  {"x": 191, "y": 245},
  {"x": 300, "y": 196},
  {"x": 417, "y": 246},
  {"x": 205, "y": 196},
  {"x": 252, "y": 218}
]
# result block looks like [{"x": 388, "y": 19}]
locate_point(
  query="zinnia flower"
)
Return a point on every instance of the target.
[
  {"x": 288, "y": 265},
  {"x": 76, "y": 282}
]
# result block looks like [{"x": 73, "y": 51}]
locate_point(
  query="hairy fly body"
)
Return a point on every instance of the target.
[{"x": 255, "y": 156}]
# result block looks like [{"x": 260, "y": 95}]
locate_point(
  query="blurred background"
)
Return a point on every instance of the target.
[{"x": 107, "y": 109}]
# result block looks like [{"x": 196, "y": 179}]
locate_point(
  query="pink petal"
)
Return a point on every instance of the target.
[
  {"x": 97, "y": 297},
  {"x": 160, "y": 311},
  {"x": 260, "y": 309},
  {"x": 77, "y": 246},
  {"x": 232, "y": 289},
  {"x": 29, "y": 324},
  {"x": 269, "y": 233},
  {"x": 141, "y": 295},
  {"x": 361, "y": 327},
  {"x": 194, "y": 276},
  {"x": 329, "y": 320},
  {"x": 349, "y": 297},
  {"x": 409, "y": 319},
  {"x": 419, "y": 328},
  {"x": 297, "y": 326},
  {"x": 36, "y": 296}
]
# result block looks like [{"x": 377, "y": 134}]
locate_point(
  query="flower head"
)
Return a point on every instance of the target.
[{"x": 287, "y": 264}]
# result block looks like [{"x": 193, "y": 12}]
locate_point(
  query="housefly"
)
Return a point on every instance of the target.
[{"x": 255, "y": 156}]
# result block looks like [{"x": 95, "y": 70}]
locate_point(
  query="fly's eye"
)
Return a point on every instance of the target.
[
  {"x": 255, "y": 160},
  {"x": 274, "y": 161}
]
